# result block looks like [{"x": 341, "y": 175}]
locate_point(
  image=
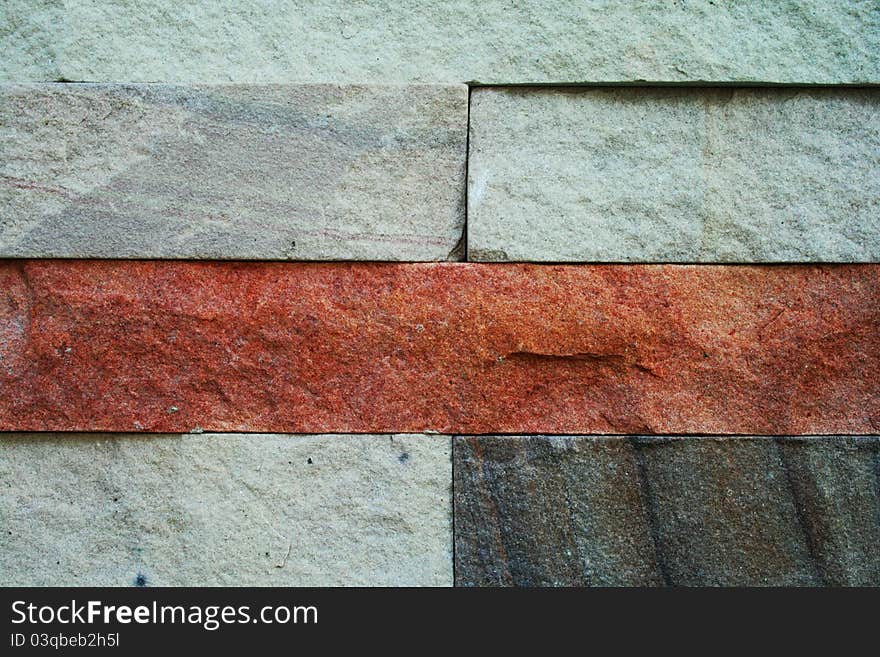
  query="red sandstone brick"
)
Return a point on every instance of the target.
[{"x": 171, "y": 346}]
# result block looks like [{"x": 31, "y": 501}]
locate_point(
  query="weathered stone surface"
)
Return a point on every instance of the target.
[
  {"x": 675, "y": 175},
  {"x": 234, "y": 510},
  {"x": 29, "y": 34},
  {"x": 451, "y": 347},
  {"x": 566, "y": 510},
  {"x": 305, "y": 172},
  {"x": 494, "y": 41}
]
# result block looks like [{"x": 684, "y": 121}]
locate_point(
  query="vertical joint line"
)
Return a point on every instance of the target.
[
  {"x": 452, "y": 503},
  {"x": 467, "y": 175}
]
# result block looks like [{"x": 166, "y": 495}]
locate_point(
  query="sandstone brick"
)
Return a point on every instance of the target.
[
  {"x": 449, "y": 347},
  {"x": 234, "y": 510},
  {"x": 588, "y": 511},
  {"x": 675, "y": 175},
  {"x": 269, "y": 172},
  {"x": 493, "y": 41}
]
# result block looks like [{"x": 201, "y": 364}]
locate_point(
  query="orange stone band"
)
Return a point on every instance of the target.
[{"x": 450, "y": 347}]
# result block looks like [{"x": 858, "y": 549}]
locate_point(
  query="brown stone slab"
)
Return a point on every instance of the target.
[
  {"x": 455, "y": 348},
  {"x": 646, "y": 511}
]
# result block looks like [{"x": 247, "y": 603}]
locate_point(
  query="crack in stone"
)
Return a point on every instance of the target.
[
  {"x": 457, "y": 254},
  {"x": 596, "y": 358}
]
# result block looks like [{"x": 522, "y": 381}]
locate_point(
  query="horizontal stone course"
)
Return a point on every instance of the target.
[
  {"x": 493, "y": 41},
  {"x": 588, "y": 511},
  {"x": 265, "y": 172},
  {"x": 234, "y": 510},
  {"x": 450, "y": 347},
  {"x": 674, "y": 175}
]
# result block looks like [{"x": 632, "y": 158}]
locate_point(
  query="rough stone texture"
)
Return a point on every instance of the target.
[
  {"x": 234, "y": 510},
  {"x": 30, "y": 32},
  {"x": 587, "y": 511},
  {"x": 494, "y": 41},
  {"x": 675, "y": 175},
  {"x": 305, "y": 172},
  {"x": 451, "y": 347}
]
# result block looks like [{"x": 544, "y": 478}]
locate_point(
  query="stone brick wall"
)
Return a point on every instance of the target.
[{"x": 289, "y": 290}]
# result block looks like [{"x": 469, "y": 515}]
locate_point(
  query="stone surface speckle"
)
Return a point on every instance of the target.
[
  {"x": 233, "y": 510},
  {"x": 449, "y": 347},
  {"x": 674, "y": 175},
  {"x": 589, "y": 511},
  {"x": 263, "y": 172},
  {"x": 30, "y": 34},
  {"x": 493, "y": 41}
]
